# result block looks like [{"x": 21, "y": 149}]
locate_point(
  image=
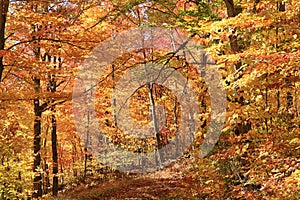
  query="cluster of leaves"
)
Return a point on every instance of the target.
[
  {"x": 15, "y": 165},
  {"x": 258, "y": 153},
  {"x": 42, "y": 40}
]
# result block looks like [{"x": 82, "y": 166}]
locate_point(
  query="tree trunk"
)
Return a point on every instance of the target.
[
  {"x": 114, "y": 99},
  {"x": 54, "y": 156},
  {"x": 87, "y": 140},
  {"x": 231, "y": 12},
  {"x": 266, "y": 107},
  {"x": 61, "y": 166},
  {"x": 230, "y": 8},
  {"x": 85, "y": 164},
  {"x": 155, "y": 124},
  {"x": 4, "y": 4},
  {"x": 46, "y": 182},
  {"x": 52, "y": 86},
  {"x": 177, "y": 142},
  {"x": 74, "y": 157},
  {"x": 37, "y": 181}
]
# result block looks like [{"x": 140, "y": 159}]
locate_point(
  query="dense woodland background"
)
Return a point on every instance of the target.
[{"x": 254, "y": 43}]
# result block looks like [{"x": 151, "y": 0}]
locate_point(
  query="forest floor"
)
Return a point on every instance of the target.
[{"x": 169, "y": 183}]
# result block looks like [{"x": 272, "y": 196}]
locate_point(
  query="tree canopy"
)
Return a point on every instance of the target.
[{"x": 54, "y": 137}]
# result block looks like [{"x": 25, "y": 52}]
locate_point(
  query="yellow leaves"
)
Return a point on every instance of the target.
[
  {"x": 243, "y": 21},
  {"x": 259, "y": 98},
  {"x": 291, "y": 186},
  {"x": 263, "y": 154},
  {"x": 242, "y": 150},
  {"x": 295, "y": 141},
  {"x": 235, "y": 116},
  {"x": 295, "y": 36}
]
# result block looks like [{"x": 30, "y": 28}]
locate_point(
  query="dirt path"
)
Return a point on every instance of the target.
[
  {"x": 137, "y": 188},
  {"x": 166, "y": 184},
  {"x": 134, "y": 189}
]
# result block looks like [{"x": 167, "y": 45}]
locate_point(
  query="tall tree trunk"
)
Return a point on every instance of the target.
[
  {"x": 52, "y": 86},
  {"x": 231, "y": 12},
  {"x": 46, "y": 182},
  {"x": 37, "y": 181},
  {"x": 155, "y": 124},
  {"x": 177, "y": 150},
  {"x": 114, "y": 99},
  {"x": 74, "y": 157},
  {"x": 38, "y": 110},
  {"x": 278, "y": 99},
  {"x": 54, "y": 155},
  {"x": 54, "y": 142},
  {"x": 87, "y": 140},
  {"x": 61, "y": 167},
  {"x": 266, "y": 107},
  {"x": 4, "y": 4}
]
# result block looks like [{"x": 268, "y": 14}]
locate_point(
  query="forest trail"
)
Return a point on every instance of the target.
[{"x": 169, "y": 183}]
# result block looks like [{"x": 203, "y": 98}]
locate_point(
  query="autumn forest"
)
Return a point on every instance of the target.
[{"x": 165, "y": 99}]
